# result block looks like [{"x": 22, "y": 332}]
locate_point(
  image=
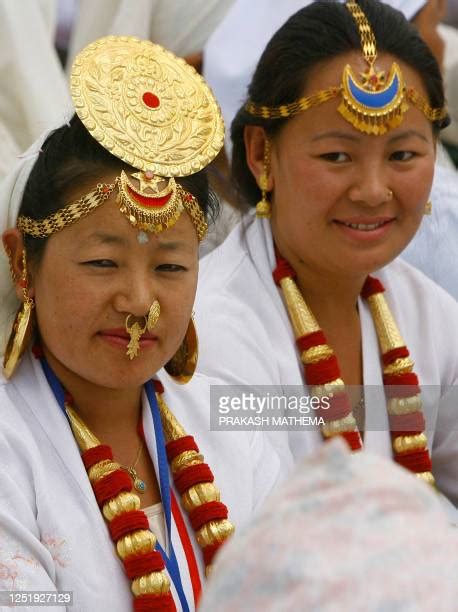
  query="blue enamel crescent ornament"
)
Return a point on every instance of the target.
[{"x": 374, "y": 106}]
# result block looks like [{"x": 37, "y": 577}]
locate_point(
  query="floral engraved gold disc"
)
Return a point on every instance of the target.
[{"x": 146, "y": 106}]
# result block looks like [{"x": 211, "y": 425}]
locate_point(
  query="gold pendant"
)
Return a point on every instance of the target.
[
  {"x": 19, "y": 338},
  {"x": 139, "y": 484},
  {"x": 135, "y": 332}
]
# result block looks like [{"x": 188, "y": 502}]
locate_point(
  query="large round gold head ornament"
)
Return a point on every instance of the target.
[{"x": 153, "y": 111}]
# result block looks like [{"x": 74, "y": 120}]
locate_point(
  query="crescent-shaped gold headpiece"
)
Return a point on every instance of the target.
[
  {"x": 375, "y": 105},
  {"x": 153, "y": 111}
]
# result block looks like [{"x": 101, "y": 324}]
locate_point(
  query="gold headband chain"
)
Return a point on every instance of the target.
[
  {"x": 373, "y": 106},
  {"x": 139, "y": 216}
]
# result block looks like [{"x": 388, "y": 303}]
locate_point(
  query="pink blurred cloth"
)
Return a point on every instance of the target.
[{"x": 346, "y": 532}]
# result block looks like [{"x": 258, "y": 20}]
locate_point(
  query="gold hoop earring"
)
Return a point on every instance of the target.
[
  {"x": 183, "y": 364},
  {"x": 428, "y": 208},
  {"x": 22, "y": 326},
  {"x": 263, "y": 206},
  {"x": 153, "y": 315},
  {"x": 135, "y": 332}
]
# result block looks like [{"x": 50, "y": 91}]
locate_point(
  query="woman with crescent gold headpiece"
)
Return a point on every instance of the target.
[
  {"x": 335, "y": 148},
  {"x": 108, "y": 501}
]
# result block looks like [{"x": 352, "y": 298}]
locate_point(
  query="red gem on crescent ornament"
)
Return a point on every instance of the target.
[{"x": 150, "y": 99}]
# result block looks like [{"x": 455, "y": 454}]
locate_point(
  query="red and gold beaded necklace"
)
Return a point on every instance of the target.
[
  {"x": 128, "y": 525},
  {"x": 322, "y": 375}
]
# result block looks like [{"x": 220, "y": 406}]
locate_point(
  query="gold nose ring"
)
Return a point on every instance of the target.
[{"x": 389, "y": 194}]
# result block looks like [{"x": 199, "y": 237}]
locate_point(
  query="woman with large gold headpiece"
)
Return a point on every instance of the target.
[
  {"x": 101, "y": 223},
  {"x": 335, "y": 148}
]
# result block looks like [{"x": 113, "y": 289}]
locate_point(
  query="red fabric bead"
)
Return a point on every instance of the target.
[
  {"x": 339, "y": 408},
  {"x": 401, "y": 391},
  {"x": 126, "y": 522},
  {"x": 139, "y": 565},
  {"x": 371, "y": 287},
  {"x": 322, "y": 372},
  {"x": 111, "y": 485},
  {"x": 397, "y": 353},
  {"x": 154, "y": 603},
  {"x": 210, "y": 552},
  {"x": 192, "y": 475},
  {"x": 353, "y": 439},
  {"x": 313, "y": 339},
  {"x": 407, "y": 424},
  {"x": 211, "y": 511},
  {"x": 158, "y": 386},
  {"x": 283, "y": 270},
  {"x": 176, "y": 447},
  {"x": 102, "y": 452},
  {"x": 416, "y": 462},
  {"x": 37, "y": 351},
  {"x": 408, "y": 378}
]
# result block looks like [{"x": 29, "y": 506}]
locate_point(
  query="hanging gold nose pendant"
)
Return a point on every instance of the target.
[{"x": 135, "y": 332}]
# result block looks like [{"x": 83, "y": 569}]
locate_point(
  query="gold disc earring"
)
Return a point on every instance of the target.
[
  {"x": 263, "y": 206},
  {"x": 135, "y": 332},
  {"x": 183, "y": 364},
  {"x": 22, "y": 326},
  {"x": 153, "y": 315}
]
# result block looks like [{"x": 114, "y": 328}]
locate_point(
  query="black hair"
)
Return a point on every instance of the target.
[
  {"x": 70, "y": 157},
  {"x": 316, "y": 33}
]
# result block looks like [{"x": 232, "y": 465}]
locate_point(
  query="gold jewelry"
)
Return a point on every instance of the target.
[
  {"x": 42, "y": 228},
  {"x": 263, "y": 206},
  {"x": 153, "y": 315},
  {"x": 135, "y": 332},
  {"x": 155, "y": 209},
  {"x": 183, "y": 364},
  {"x": 428, "y": 208},
  {"x": 153, "y": 111},
  {"x": 389, "y": 195},
  {"x": 139, "y": 484},
  {"x": 22, "y": 326},
  {"x": 374, "y": 105}
]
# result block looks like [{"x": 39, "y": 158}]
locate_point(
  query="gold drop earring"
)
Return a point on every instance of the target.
[
  {"x": 263, "y": 206},
  {"x": 428, "y": 208},
  {"x": 22, "y": 326}
]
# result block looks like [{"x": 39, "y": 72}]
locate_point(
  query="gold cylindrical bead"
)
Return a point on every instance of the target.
[
  {"x": 385, "y": 325},
  {"x": 155, "y": 583},
  {"x": 427, "y": 477},
  {"x": 124, "y": 502},
  {"x": 404, "y": 405},
  {"x": 331, "y": 428},
  {"x": 399, "y": 366},
  {"x": 83, "y": 436},
  {"x": 329, "y": 389},
  {"x": 186, "y": 459},
  {"x": 141, "y": 541},
  {"x": 199, "y": 494},
  {"x": 301, "y": 316},
  {"x": 316, "y": 353},
  {"x": 102, "y": 468},
  {"x": 213, "y": 532},
  {"x": 402, "y": 444}
]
